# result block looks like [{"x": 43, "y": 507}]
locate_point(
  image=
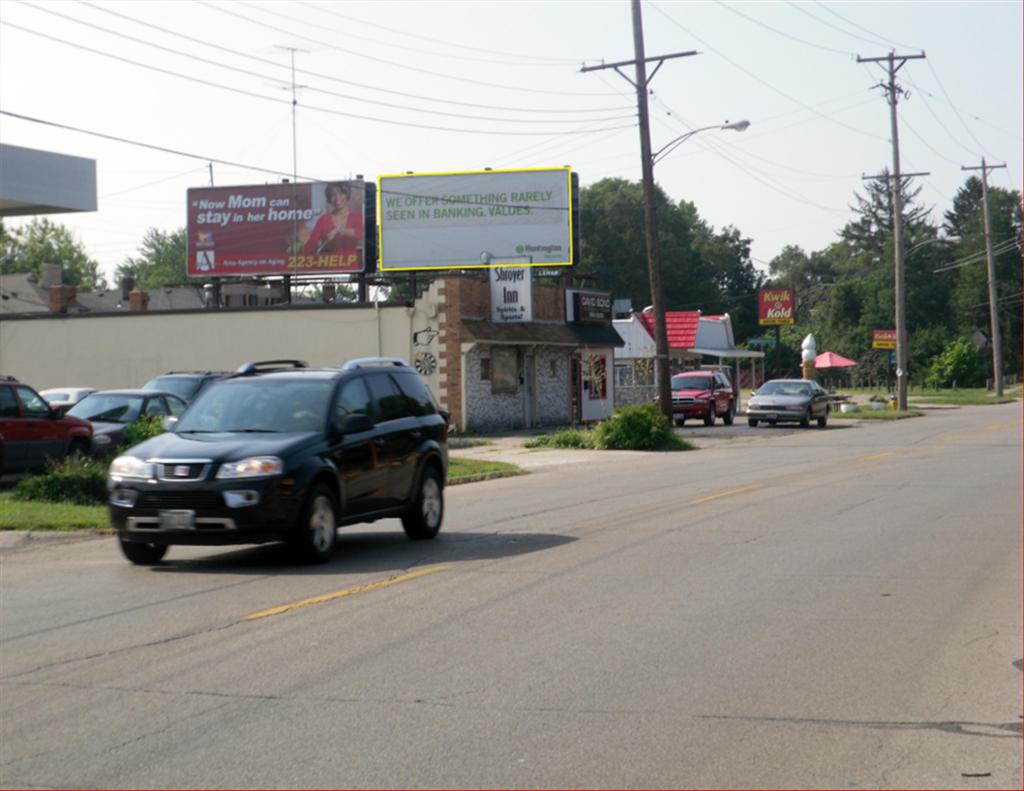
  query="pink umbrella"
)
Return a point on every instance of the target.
[{"x": 832, "y": 360}]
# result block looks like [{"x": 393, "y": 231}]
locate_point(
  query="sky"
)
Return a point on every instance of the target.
[{"x": 387, "y": 87}]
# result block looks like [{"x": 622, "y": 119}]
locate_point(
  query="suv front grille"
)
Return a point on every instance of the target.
[
  {"x": 682, "y": 400},
  {"x": 195, "y": 500}
]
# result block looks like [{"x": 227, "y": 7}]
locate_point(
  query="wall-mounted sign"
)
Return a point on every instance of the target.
[
  {"x": 475, "y": 219},
  {"x": 588, "y": 307},
  {"x": 276, "y": 229},
  {"x": 776, "y": 306},
  {"x": 883, "y": 339},
  {"x": 511, "y": 294}
]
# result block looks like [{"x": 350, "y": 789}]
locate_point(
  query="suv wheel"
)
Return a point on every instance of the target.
[
  {"x": 423, "y": 519},
  {"x": 752, "y": 422},
  {"x": 142, "y": 554},
  {"x": 79, "y": 450},
  {"x": 317, "y": 528},
  {"x": 730, "y": 414},
  {"x": 709, "y": 418}
]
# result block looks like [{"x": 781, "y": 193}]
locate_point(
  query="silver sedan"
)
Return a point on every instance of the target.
[{"x": 789, "y": 401}]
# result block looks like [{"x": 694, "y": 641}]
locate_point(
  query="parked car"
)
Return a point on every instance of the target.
[
  {"x": 703, "y": 394},
  {"x": 283, "y": 452},
  {"x": 789, "y": 400},
  {"x": 32, "y": 433},
  {"x": 184, "y": 384},
  {"x": 110, "y": 411},
  {"x": 63, "y": 398}
]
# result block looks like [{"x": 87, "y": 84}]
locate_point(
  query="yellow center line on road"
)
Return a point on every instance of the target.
[
  {"x": 999, "y": 426},
  {"x": 369, "y": 586},
  {"x": 729, "y": 493},
  {"x": 875, "y": 457}
]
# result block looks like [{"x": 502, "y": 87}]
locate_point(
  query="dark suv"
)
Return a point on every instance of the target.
[
  {"x": 32, "y": 433},
  {"x": 185, "y": 384},
  {"x": 282, "y": 452}
]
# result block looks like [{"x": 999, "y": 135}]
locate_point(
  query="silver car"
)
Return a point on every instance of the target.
[{"x": 789, "y": 401}]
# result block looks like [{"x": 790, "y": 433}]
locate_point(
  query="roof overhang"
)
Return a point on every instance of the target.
[{"x": 42, "y": 182}]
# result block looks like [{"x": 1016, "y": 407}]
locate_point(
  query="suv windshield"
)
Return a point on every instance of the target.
[
  {"x": 691, "y": 383},
  {"x": 259, "y": 405},
  {"x": 103, "y": 408}
]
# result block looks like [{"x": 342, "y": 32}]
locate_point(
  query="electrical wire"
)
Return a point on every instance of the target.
[
  {"x": 752, "y": 75},
  {"x": 782, "y": 32},
  {"x": 286, "y": 84},
  {"x": 315, "y": 108},
  {"x": 436, "y": 40},
  {"x": 854, "y": 24},
  {"x": 385, "y": 61},
  {"x": 956, "y": 111}
]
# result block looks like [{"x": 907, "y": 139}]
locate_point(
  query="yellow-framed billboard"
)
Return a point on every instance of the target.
[{"x": 475, "y": 219}]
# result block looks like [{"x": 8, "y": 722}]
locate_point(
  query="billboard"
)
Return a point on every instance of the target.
[
  {"x": 776, "y": 306},
  {"x": 475, "y": 219},
  {"x": 277, "y": 229},
  {"x": 883, "y": 339}
]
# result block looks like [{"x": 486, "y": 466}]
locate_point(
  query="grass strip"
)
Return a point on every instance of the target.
[
  {"x": 36, "y": 515},
  {"x": 876, "y": 414},
  {"x": 462, "y": 470}
]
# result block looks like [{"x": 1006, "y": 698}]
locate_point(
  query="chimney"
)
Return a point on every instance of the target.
[
  {"x": 138, "y": 301},
  {"x": 127, "y": 284},
  {"x": 61, "y": 298},
  {"x": 52, "y": 275}
]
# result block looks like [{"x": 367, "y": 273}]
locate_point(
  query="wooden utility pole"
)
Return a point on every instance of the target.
[
  {"x": 662, "y": 367},
  {"x": 993, "y": 307},
  {"x": 893, "y": 92}
]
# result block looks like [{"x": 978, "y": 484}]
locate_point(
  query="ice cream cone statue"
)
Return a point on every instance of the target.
[{"x": 807, "y": 355}]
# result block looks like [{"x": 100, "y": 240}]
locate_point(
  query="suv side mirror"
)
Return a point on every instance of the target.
[
  {"x": 168, "y": 423},
  {"x": 354, "y": 424}
]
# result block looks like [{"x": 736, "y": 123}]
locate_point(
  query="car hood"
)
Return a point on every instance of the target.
[
  {"x": 222, "y": 446},
  {"x": 780, "y": 401}
]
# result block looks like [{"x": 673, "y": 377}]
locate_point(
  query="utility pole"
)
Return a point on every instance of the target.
[
  {"x": 210, "y": 165},
  {"x": 286, "y": 280},
  {"x": 993, "y": 309},
  {"x": 893, "y": 92},
  {"x": 650, "y": 218}
]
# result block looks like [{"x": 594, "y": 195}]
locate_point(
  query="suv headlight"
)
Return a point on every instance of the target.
[
  {"x": 131, "y": 467},
  {"x": 253, "y": 467}
]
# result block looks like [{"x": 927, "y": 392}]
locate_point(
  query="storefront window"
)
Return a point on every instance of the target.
[{"x": 504, "y": 371}]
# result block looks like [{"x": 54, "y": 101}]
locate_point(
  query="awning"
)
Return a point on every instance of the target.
[
  {"x": 739, "y": 354},
  {"x": 535, "y": 334},
  {"x": 833, "y": 360}
]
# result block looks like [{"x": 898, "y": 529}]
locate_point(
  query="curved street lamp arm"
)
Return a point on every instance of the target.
[{"x": 670, "y": 146}]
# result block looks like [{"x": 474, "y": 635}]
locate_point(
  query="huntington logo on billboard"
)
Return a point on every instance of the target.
[{"x": 776, "y": 306}]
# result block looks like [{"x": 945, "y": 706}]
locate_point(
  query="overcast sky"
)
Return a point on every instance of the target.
[{"x": 428, "y": 86}]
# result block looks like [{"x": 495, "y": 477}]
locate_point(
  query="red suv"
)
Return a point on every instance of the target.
[
  {"x": 703, "y": 394},
  {"x": 32, "y": 433}
]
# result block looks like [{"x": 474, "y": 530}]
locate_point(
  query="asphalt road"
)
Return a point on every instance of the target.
[{"x": 783, "y": 608}]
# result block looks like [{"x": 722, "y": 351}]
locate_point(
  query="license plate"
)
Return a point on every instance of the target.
[{"x": 177, "y": 520}]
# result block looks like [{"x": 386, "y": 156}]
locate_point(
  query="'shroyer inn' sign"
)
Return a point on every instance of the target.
[{"x": 511, "y": 294}]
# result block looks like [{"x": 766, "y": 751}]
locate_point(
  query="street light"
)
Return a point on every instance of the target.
[
  {"x": 671, "y": 145},
  {"x": 663, "y": 365}
]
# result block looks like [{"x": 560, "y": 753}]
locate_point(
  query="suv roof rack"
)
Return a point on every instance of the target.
[
  {"x": 262, "y": 366},
  {"x": 176, "y": 373},
  {"x": 7, "y": 378},
  {"x": 366, "y": 362}
]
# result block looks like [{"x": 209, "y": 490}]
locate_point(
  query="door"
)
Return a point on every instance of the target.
[
  {"x": 530, "y": 390},
  {"x": 395, "y": 435},
  {"x": 363, "y": 478},
  {"x": 43, "y": 438},
  {"x": 12, "y": 432}
]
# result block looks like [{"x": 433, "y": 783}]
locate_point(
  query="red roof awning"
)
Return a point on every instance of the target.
[
  {"x": 680, "y": 326},
  {"x": 832, "y": 360}
]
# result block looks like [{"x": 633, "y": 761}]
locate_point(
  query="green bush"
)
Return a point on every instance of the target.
[
  {"x": 79, "y": 481},
  {"x": 563, "y": 439},
  {"x": 142, "y": 429},
  {"x": 640, "y": 427},
  {"x": 958, "y": 364}
]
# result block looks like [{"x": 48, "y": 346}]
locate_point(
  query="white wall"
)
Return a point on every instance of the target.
[{"x": 127, "y": 350}]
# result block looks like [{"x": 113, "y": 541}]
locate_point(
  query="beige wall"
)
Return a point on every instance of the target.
[{"x": 126, "y": 350}]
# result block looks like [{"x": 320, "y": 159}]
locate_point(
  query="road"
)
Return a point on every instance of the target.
[{"x": 782, "y": 608}]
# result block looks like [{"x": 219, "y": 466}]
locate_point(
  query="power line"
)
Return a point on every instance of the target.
[
  {"x": 956, "y": 112},
  {"x": 249, "y": 73},
  {"x": 758, "y": 79},
  {"x": 442, "y": 75},
  {"x": 854, "y": 24},
  {"x": 252, "y": 94},
  {"x": 782, "y": 32},
  {"x": 433, "y": 40}
]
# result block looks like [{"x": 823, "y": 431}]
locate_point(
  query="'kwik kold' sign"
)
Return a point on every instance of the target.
[{"x": 776, "y": 306}]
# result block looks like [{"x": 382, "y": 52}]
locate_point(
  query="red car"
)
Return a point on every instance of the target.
[
  {"x": 703, "y": 394},
  {"x": 32, "y": 433}
]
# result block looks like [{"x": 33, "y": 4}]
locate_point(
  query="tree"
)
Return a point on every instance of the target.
[
  {"x": 162, "y": 260},
  {"x": 28, "y": 248},
  {"x": 957, "y": 365}
]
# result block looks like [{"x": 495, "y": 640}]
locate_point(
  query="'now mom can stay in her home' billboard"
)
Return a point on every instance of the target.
[{"x": 276, "y": 229}]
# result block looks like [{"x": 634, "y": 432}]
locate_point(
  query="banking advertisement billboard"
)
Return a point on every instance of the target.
[
  {"x": 776, "y": 306},
  {"x": 478, "y": 219},
  {"x": 276, "y": 229}
]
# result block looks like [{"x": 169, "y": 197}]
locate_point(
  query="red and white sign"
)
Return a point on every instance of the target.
[
  {"x": 883, "y": 339},
  {"x": 276, "y": 229},
  {"x": 776, "y": 306}
]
